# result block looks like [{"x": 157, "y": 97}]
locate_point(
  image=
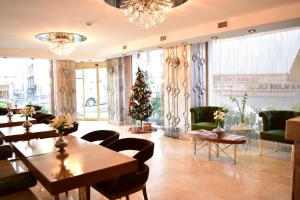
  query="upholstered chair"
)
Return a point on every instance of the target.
[{"x": 105, "y": 137}]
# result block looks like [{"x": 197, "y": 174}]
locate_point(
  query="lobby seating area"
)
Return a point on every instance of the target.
[{"x": 150, "y": 100}]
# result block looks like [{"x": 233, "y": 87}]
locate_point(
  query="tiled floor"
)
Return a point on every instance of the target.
[{"x": 177, "y": 174}]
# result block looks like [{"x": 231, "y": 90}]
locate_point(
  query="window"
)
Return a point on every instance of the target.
[
  {"x": 265, "y": 65},
  {"x": 25, "y": 81}
]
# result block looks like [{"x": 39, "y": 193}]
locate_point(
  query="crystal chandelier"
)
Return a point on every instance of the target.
[
  {"x": 146, "y": 13},
  {"x": 61, "y": 43}
]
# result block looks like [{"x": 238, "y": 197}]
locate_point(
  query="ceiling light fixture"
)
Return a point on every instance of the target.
[
  {"x": 61, "y": 43},
  {"x": 145, "y": 13}
]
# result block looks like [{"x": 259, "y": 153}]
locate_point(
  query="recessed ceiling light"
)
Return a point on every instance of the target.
[
  {"x": 214, "y": 37},
  {"x": 252, "y": 30}
]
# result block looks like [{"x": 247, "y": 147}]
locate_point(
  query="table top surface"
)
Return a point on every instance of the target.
[
  {"x": 212, "y": 137},
  {"x": 16, "y": 120},
  {"x": 241, "y": 128},
  {"x": 82, "y": 163},
  {"x": 18, "y": 133}
]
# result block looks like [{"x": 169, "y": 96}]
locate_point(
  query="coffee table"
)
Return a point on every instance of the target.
[
  {"x": 209, "y": 137},
  {"x": 248, "y": 132}
]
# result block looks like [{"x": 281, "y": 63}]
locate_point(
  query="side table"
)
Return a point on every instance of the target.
[{"x": 248, "y": 132}]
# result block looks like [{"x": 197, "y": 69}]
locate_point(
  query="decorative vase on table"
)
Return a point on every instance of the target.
[
  {"x": 61, "y": 143},
  {"x": 219, "y": 116},
  {"x": 61, "y": 123},
  {"x": 9, "y": 114},
  {"x": 27, "y": 111},
  {"x": 27, "y": 124}
]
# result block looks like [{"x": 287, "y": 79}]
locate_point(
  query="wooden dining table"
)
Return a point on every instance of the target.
[
  {"x": 16, "y": 120},
  {"x": 79, "y": 166},
  {"x": 18, "y": 133}
]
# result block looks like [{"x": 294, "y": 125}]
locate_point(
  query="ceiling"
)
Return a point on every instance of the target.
[{"x": 21, "y": 20}]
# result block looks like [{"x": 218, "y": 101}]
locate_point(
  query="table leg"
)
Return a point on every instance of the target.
[
  {"x": 234, "y": 153},
  {"x": 56, "y": 197},
  {"x": 195, "y": 146},
  {"x": 217, "y": 150},
  {"x": 84, "y": 193},
  {"x": 209, "y": 150}
]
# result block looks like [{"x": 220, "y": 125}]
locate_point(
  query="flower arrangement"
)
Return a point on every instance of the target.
[
  {"x": 62, "y": 122},
  {"x": 241, "y": 108},
  {"x": 219, "y": 116},
  {"x": 9, "y": 113},
  {"x": 9, "y": 105},
  {"x": 28, "y": 111}
]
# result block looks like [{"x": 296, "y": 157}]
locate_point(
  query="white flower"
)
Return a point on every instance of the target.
[
  {"x": 28, "y": 111},
  {"x": 219, "y": 115},
  {"x": 61, "y": 122}
]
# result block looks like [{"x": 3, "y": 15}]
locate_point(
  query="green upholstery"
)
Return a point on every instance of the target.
[
  {"x": 274, "y": 125},
  {"x": 204, "y": 125},
  {"x": 16, "y": 182},
  {"x": 203, "y": 117}
]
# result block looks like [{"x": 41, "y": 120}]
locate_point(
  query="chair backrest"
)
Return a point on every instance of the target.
[
  {"x": 3, "y": 111},
  {"x": 5, "y": 152},
  {"x": 144, "y": 147},
  {"x": 71, "y": 130},
  {"x": 108, "y": 136},
  {"x": 203, "y": 113},
  {"x": 276, "y": 119}
]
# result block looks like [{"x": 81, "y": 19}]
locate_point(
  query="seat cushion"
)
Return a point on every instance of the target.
[
  {"x": 204, "y": 125},
  {"x": 275, "y": 135}
]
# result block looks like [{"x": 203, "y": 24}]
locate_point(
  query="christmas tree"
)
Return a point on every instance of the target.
[{"x": 139, "y": 104}]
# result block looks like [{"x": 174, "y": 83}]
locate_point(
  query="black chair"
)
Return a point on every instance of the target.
[
  {"x": 5, "y": 152},
  {"x": 12, "y": 182},
  {"x": 3, "y": 111},
  {"x": 107, "y": 136},
  {"x": 71, "y": 130},
  {"x": 129, "y": 183}
]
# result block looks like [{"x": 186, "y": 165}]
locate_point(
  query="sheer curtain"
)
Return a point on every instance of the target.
[{"x": 266, "y": 66}]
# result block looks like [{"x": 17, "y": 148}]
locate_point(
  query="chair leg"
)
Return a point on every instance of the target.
[
  {"x": 145, "y": 193},
  {"x": 293, "y": 153},
  {"x": 260, "y": 146},
  {"x": 127, "y": 197}
]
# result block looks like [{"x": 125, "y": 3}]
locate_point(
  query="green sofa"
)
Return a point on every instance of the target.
[
  {"x": 274, "y": 126},
  {"x": 203, "y": 117}
]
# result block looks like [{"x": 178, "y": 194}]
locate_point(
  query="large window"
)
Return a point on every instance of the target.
[
  {"x": 265, "y": 65},
  {"x": 91, "y": 91},
  {"x": 25, "y": 81},
  {"x": 151, "y": 63}
]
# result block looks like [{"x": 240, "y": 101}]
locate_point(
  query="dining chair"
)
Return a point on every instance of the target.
[
  {"x": 132, "y": 182},
  {"x": 5, "y": 152},
  {"x": 12, "y": 182},
  {"x": 71, "y": 130},
  {"x": 105, "y": 136}
]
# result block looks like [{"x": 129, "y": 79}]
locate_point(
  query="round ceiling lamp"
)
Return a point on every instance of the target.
[
  {"x": 145, "y": 13},
  {"x": 61, "y": 43}
]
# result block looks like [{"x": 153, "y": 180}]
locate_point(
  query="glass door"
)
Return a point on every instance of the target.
[{"x": 91, "y": 94}]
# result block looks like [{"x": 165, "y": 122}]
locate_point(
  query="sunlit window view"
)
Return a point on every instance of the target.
[
  {"x": 152, "y": 64},
  {"x": 25, "y": 81},
  {"x": 264, "y": 65},
  {"x": 91, "y": 91}
]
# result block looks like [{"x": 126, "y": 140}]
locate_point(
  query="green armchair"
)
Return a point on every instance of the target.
[
  {"x": 203, "y": 117},
  {"x": 274, "y": 126}
]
